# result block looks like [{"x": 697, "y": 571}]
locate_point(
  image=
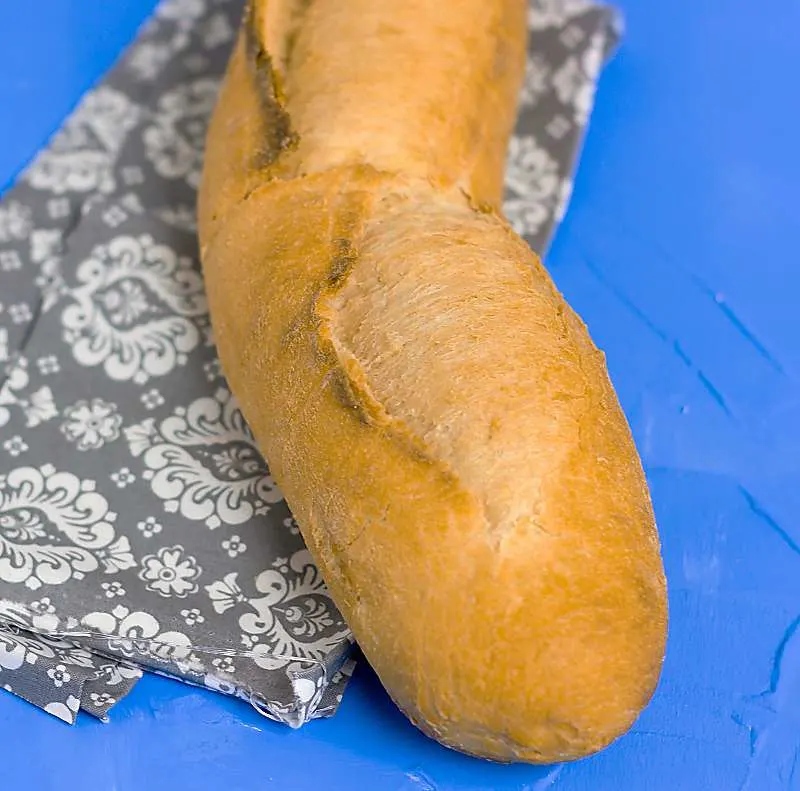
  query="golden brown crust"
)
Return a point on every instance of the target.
[{"x": 442, "y": 426}]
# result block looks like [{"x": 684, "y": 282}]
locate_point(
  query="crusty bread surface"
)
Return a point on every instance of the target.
[{"x": 436, "y": 415}]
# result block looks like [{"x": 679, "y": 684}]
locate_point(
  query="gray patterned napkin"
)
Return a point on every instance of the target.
[{"x": 139, "y": 526}]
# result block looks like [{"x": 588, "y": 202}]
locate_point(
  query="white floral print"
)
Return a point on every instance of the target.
[
  {"x": 552, "y": 13},
  {"x": 43, "y": 606},
  {"x": 565, "y": 193},
  {"x": 39, "y": 615},
  {"x": 151, "y": 399},
  {"x": 112, "y": 589},
  {"x": 138, "y": 633},
  {"x": 59, "y": 675},
  {"x": 38, "y": 407},
  {"x": 170, "y": 572},
  {"x": 192, "y": 616},
  {"x": 228, "y": 485},
  {"x": 18, "y": 648},
  {"x": 213, "y": 370},
  {"x": 224, "y": 664},
  {"x": 226, "y": 593},
  {"x": 10, "y": 260},
  {"x": 149, "y": 527},
  {"x": 533, "y": 180},
  {"x": 572, "y": 88},
  {"x": 216, "y": 31},
  {"x": 576, "y": 79},
  {"x": 114, "y": 674},
  {"x": 90, "y": 424},
  {"x": 15, "y": 221},
  {"x": 123, "y": 477},
  {"x": 117, "y": 556},
  {"x": 45, "y": 243},
  {"x": 174, "y": 143},
  {"x": 531, "y": 169},
  {"x": 50, "y": 283},
  {"x": 196, "y": 62},
  {"x": 80, "y": 157},
  {"x": 55, "y": 527},
  {"x": 20, "y": 312},
  {"x": 293, "y": 617},
  {"x": 48, "y": 365},
  {"x": 125, "y": 304},
  {"x": 526, "y": 217},
  {"x": 102, "y": 700},
  {"x": 149, "y": 58},
  {"x": 133, "y": 311},
  {"x": 537, "y": 80},
  {"x": 290, "y": 523},
  {"x": 64, "y": 711},
  {"x": 305, "y": 689},
  {"x": 12, "y": 654},
  {"x": 132, "y": 175},
  {"x": 192, "y": 665},
  {"x": 183, "y": 217},
  {"x": 234, "y": 546},
  {"x": 592, "y": 59},
  {"x": 58, "y": 208},
  {"x": 15, "y": 445},
  {"x": 181, "y": 11}
]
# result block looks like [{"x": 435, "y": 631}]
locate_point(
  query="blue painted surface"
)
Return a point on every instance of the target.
[{"x": 680, "y": 252}]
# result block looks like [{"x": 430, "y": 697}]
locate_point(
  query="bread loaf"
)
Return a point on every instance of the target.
[{"x": 438, "y": 418}]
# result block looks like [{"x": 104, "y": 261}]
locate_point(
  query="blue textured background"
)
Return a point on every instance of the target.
[{"x": 680, "y": 251}]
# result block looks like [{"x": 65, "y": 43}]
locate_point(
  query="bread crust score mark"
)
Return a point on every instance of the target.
[{"x": 438, "y": 418}]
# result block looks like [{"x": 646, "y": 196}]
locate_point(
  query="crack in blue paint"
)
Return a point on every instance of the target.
[
  {"x": 636, "y": 311},
  {"x": 714, "y": 393},
  {"x": 759, "y": 511},
  {"x": 773, "y": 717},
  {"x": 742, "y": 328},
  {"x": 706, "y": 289}
]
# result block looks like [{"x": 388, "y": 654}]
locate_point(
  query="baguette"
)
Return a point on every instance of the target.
[{"x": 441, "y": 424}]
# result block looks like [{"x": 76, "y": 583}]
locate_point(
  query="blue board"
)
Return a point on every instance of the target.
[{"x": 680, "y": 251}]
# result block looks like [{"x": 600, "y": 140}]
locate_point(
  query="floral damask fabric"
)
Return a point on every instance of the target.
[{"x": 139, "y": 525}]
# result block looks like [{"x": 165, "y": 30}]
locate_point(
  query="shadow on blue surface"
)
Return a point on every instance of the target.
[{"x": 679, "y": 252}]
